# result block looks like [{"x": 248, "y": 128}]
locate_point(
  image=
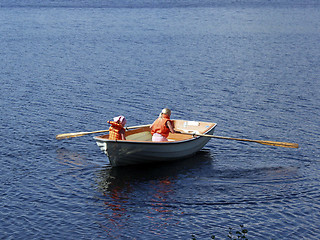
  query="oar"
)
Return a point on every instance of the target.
[
  {"x": 79, "y": 134},
  {"x": 271, "y": 143}
]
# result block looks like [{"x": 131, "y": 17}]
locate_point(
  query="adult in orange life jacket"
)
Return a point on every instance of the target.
[
  {"x": 162, "y": 126},
  {"x": 116, "y": 130}
]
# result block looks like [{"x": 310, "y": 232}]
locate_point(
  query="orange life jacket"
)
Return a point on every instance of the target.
[
  {"x": 115, "y": 131},
  {"x": 160, "y": 126}
]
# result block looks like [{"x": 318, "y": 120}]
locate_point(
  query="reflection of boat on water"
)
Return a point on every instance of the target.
[
  {"x": 146, "y": 189},
  {"x": 139, "y": 148}
]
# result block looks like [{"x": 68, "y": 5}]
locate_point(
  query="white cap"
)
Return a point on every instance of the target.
[
  {"x": 166, "y": 111},
  {"x": 120, "y": 119}
]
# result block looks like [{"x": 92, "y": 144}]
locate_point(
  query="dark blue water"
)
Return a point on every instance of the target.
[{"x": 69, "y": 66}]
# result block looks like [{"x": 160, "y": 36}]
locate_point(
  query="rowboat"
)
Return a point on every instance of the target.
[{"x": 138, "y": 147}]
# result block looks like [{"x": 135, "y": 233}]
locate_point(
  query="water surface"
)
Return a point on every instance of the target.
[{"x": 70, "y": 66}]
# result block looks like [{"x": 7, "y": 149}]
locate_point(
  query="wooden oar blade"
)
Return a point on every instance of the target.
[
  {"x": 70, "y": 135},
  {"x": 270, "y": 143},
  {"x": 280, "y": 144}
]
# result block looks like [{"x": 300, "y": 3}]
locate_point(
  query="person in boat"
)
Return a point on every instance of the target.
[
  {"x": 162, "y": 126},
  {"x": 117, "y": 130}
]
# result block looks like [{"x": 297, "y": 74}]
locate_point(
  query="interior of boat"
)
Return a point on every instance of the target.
[{"x": 144, "y": 134}]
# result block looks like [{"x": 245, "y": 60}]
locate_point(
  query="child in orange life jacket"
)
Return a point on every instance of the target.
[
  {"x": 162, "y": 126},
  {"x": 116, "y": 130}
]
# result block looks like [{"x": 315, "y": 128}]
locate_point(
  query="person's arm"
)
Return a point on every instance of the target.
[
  {"x": 123, "y": 135},
  {"x": 169, "y": 125},
  {"x": 152, "y": 124}
]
